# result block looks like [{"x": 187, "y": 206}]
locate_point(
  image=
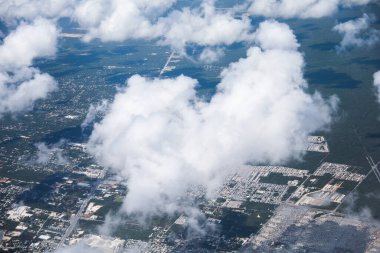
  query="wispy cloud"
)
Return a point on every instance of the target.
[
  {"x": 93, "y": 112},
  {"x": 51, "y": 153}
]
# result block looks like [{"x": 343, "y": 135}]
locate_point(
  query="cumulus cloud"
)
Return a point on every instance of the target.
[
  {"x": 161, "y": 137},
  {"x": 357, "y": 32},
  {"x": 272, "y": 35},
  {"x": 376, "y": 83},
  {"x": 203, "y": 26},
  {"x": 28, "y": 42},
  {"x": 119, "y": 20},
  {"x": 19, "y": 96},
  {"x": 211, "y": 55},
  {"x": 299, "y": 9},
  {"x": 20, "y": 84},
  {"x": 11, "y": 10}
]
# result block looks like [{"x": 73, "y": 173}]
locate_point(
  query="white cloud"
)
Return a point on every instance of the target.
[
  {"x": 20, "y": 96},
  {"x": 28, "y": 42},
  {"x": 299, "y": 9},
  {"x": 90, "y": 13},
  {"x": 21, "y": 85},
  {"x": 119, "y": 20},
  {"x": 273, "y": 35},
  {"x": 357, "y": 32},
  {"x": 376, "y": 83},
  {"x": 211, "y": 55},
  {"x": 32, "y": 9},
  {"x": 203, "y": 26},
  {"x": 162, "y": 138}
]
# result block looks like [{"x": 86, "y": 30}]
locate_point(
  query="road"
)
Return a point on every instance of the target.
[
  {"x": 74, "y": 220},
  {"x": 374, "y": 167},
  {"x": 167, "y": 63}
]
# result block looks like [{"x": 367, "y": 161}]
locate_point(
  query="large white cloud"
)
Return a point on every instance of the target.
[
  {"x": 357, "y": 32},
  {"x": 299, "y": 9},
  {"x": 203, "y": 26},
  {"x": 20, "y": 96},
  {"x": 32, "y": 9},
  {"x": 271, "y": 35},
  {"x": 162, "y": 138},
  {"x": 119, "y": 20},
  {"x": 102, "y": 16},
  {"x": 27, "y": 42},
  {"x": 20, "y": 84}
]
